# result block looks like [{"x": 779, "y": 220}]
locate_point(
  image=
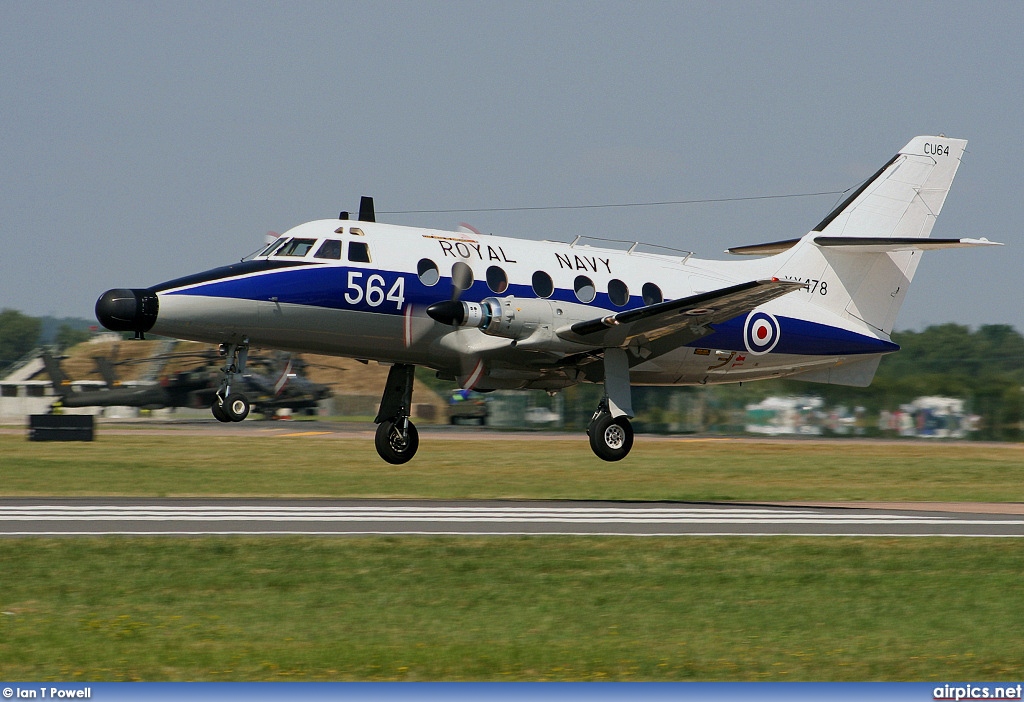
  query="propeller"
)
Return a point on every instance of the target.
[
  {"x": 456, "y": 313},
  {"x": 453, "y": 312},
  {"x": 445, "y": 312}
]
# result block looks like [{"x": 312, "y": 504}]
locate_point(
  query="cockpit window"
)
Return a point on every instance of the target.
[
  {"x": 269, "y": 247},
  {"x": 274, "y": 247},
  {"x": 329, "y": 249},
  {"x": 296, "y": 247},
  {"x": 358, "y": 252}
]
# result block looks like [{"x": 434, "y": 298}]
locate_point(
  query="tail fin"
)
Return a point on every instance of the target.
[
  {"x": 61, "y": 383},
  {"x": 864, "y": 254},
  {"x": 106, "y": 370}
]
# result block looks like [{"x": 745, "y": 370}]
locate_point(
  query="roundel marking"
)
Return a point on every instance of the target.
[{"x": 761, "y": 333}]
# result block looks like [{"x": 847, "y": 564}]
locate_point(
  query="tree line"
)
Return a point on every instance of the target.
[
  {"x": 20, "y": 333},
  {"x": 984, "y": 367}
]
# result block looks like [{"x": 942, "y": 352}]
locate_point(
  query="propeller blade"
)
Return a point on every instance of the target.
[
  {"x": 417, "y": 324},
  {"x": 451, "y": 311},
  {"x": 472, "y": 371},
  {"x": 462, "y": 279}
]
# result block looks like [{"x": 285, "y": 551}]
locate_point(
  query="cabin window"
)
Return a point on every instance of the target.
[
  {"x": 427, "y": 271},
  {"x": 359, "y": 252},
  {"x": 584, "y": 287},
  {"x": 296, "y": 247},
  {"x": 651, "y": 294},
  {"x": 329, "y": 249},
  {"x": 618, "y": 292},
  {"x": 543, "y": 285},
  {"x": 462, "y": 276},
  {"x": 8, "y": 390},
  {"x": 497, "y": 280}
]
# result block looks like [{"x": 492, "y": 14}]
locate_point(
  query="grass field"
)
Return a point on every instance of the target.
[
  {"x": 518, "y": 467},
  {"x": 521, "y": 608},
  {"x": 516, "y": 608}
]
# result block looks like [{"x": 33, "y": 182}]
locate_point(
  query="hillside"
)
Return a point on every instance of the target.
[{"x": 357, "y": 386}]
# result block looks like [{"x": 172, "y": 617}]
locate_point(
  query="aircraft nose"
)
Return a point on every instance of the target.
[{"x": 128, "y": 309}]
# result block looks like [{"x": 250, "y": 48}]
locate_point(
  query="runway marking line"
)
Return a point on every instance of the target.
[{"x": 304, "y": 433}]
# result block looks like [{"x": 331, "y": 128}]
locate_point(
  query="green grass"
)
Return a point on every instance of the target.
[
  {"x": 522, "y": 608},
  {"x": 511, "y": 608},
  {"x": 513, "y": 467}
]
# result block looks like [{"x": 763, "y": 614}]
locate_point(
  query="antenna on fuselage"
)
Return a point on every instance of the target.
[{"x": 366, "y": 209}]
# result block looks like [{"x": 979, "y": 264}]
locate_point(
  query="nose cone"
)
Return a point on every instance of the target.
[{"x": 125, "y": 309}]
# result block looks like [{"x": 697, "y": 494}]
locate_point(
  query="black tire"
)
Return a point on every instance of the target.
[
  {"x": 611, "y": 439},
  {"x": 236, "y": 406},
  {"x": 218, "y": 412},
  {"x": 392, "y": 447}
]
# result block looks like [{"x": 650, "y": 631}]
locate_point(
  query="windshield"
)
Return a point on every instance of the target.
[{"x": 295, "y": 247}]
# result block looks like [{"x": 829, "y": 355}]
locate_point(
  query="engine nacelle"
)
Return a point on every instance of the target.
[{"x": 510, "y": 317}]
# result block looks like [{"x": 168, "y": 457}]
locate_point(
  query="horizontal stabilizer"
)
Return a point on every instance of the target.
[{"x": 869, "y": 244}]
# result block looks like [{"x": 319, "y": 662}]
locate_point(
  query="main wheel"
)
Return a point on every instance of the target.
[
  {"x": 218, "y": 412},
  {"x": 392, "y": 446},
  {"x": 611, "y": 439},
  {"x": 236, "y": 406}
]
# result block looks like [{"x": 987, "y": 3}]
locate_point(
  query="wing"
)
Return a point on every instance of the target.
[{"x": 687, "y": 318}]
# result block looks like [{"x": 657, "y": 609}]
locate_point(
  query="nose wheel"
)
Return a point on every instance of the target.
[
  {"x": 396, "y": 438},
  {"x": 231, "y": 406}
]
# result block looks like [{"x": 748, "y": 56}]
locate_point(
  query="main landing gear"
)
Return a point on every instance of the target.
[
  {"x": 611, "y": 434},
  {"x": 396, "y": 438},
  {"x": 231, "y": 406},
  {"x": 611, "y": 438}
]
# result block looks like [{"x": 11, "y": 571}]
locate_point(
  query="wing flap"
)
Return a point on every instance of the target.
[{"x": 689, "y": 318}]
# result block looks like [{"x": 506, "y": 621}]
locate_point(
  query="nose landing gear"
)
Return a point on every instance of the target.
[
  {"x": 397, "y": 439},
  {"x": 231, "y": 406}
]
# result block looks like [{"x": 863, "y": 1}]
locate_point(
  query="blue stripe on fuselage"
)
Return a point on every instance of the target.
[
  {"x": 332, "y": 287},
  {"x": 798, "y": 336}
]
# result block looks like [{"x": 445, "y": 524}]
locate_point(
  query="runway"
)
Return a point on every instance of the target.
[{"x": 248, "y": 517}]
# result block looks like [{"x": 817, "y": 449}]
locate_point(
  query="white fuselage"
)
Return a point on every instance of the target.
[{"x": 359, "y": 289}]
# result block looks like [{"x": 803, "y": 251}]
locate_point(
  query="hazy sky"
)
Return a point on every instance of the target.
[{"x": 142, "y": 141}]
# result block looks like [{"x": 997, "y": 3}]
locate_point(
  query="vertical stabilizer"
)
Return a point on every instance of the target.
[
  {"x": 904, "y": 197},
  {"x": 61, "y": 383},
  {"x": 899, "y": 202}
]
